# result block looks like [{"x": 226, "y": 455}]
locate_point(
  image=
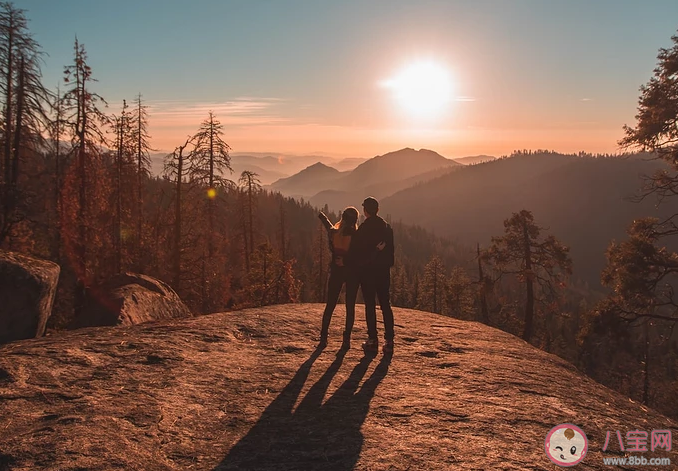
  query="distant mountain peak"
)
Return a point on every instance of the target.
[
  {"x": 319, "y": 165},
  {"x": 308, "y": 181}
]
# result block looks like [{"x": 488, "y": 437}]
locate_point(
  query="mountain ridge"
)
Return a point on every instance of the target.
[
  {"x": 564, "y": 192},
  {"x": 379, "y": 176}
]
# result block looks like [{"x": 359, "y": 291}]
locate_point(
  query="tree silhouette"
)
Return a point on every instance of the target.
[
  {"x": 210, "y": 160},
  {"x": 483, "y": 288},
  {"x": 432, "y": 288},
  {"x": 459, "y": 295},
  {"x": 270, "y": 279},
  {"x": 84, "y": 121},
  {"x": 25, "y": 101},
  {"x": 56, "y": 132},
  {"x": 250, "y": 185},
  {"x": 178, "y": 169},
  {"x": 641, "y": 275},
  {"x": 641, "y": 271},
  {"x": 656, "y": 129},
  {"x": 521, "y": 252},
  {"x": 123, "y": 156},
  {"x": 141, "y": 149}
]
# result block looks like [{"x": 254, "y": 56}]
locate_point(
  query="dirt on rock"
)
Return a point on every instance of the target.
[{"x": 248, "y": 390}]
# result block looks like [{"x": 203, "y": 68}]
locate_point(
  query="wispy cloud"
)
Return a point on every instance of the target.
[
  {"x": 586, "y": 99},
  {"x": 242, "y": 111},
  {"x": 465, "y": 98}
]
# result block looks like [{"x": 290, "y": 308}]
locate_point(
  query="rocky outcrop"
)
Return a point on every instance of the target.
[
  {"x": 247, "y": 390},
  {"x": 27, "y": 289},
  {"x": 129, "y": 299}
]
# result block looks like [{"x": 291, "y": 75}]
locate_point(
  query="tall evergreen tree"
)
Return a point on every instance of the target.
[
  {"x": 123, "y": 153},
  {"x": 250, "y": 186},
  {"x": 177, "y": 168},
  {"x": 641, "y": 274},
  {"x": 432, "y": 286},
  {"x": 141, "y": 150},
  {"x": 521, "y": 252},
  {"x": 483, "y": 286},
  {"x": 270, "y": 280},
  {"x": 459, "y": 295},
  {"x": 84, "y": 122},
  {"x": 25, "y": 102},
  {"x": 642, "y": 271},
  {"x": 210, "y": 160},
  {"x": 56, "y": 134}
]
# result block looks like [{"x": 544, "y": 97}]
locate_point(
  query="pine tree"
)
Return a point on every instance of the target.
[
  {"x": 432, "y": 289},
  {"x": 459, "y": 300},
  {"x": 25, "y": 102},
  {"x": 642, "y": 271},
  {"x": 123, "y": 157},
  {"x": 483, "y": 286},
  {"x": 56, "y": 133},
  {"x": 250, "y": 185},
  {"x": 521, "y": 252},
  {"x": 177, "y": 168},
  {"x": 84, "y": 121},
  {"x": 210, "y": 160},
  {"x": 399, "y": 285},
  {"x": 142, "y": 148},
  {"x": 270, "y": 280},
  {"x": 283, "y": 231}
]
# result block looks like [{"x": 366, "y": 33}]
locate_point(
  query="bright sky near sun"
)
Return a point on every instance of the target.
[{"x": 360, "y": 78}]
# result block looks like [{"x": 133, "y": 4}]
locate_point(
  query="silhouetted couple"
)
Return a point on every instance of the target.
[{"x": 362, "y": 256}]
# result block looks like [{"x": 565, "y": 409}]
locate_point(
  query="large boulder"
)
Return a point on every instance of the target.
[
  {"x": 27, "y": 289},
  {"x": 128, "y": 299}
]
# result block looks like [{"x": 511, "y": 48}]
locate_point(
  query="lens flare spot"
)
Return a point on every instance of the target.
[{"x": 211, "y": 193}]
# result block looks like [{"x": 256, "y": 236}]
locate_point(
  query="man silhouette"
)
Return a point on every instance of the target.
[{"x": 375, "y": 272}]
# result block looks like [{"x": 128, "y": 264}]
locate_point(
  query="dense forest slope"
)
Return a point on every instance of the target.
[
  {"x": 583, "y": 201},
  {"x": 248, "y": 390}
]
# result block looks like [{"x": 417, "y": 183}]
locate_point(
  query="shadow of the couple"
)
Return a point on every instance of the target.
[{"x": 315, "y": 435}]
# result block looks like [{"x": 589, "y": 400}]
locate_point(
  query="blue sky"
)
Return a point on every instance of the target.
[{"x": 303, "y": 76}]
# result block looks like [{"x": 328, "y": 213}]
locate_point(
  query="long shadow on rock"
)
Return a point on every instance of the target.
[{"x": 316, "y": 435}]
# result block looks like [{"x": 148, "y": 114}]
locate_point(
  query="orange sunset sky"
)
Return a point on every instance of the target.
[{"x": 357, "y": 79}]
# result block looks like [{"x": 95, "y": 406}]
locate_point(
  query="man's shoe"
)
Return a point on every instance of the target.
[
  {"x": 346, "y": 344},
  {"x": 372, "y": 345},
  {"x": 388, "y": 347}
]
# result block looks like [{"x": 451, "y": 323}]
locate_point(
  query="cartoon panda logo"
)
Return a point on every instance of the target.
[{"x": 566, "y": 445}]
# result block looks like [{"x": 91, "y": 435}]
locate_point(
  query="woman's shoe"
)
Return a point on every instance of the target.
[{"x": 388, "y": 347}]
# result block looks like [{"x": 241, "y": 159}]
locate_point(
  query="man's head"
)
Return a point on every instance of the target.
[{"x": 370, "y": 206}]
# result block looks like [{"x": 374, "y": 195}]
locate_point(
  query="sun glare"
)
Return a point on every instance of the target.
[{"x": 423, "y": 88}]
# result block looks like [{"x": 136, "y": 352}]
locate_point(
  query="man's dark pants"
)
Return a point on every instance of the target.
[{"x": 377, "y": 282}]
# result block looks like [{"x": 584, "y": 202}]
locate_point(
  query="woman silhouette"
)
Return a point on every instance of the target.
[{"x": 339, "y": 236}]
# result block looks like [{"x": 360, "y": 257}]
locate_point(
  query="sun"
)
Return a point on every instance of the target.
[{"x": 422, "y": 88}]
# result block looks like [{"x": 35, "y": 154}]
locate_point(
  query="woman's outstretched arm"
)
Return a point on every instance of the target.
[{"x": 325, "y": 220}]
